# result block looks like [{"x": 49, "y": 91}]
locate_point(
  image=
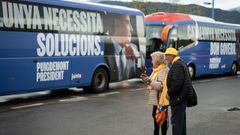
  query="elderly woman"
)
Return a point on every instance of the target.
[{"x": 155, "y": 86}]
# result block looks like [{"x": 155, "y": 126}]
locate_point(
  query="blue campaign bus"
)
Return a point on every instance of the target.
[
  {"x": 205, "y": 45},
  {"x": 50, "y": 44}
]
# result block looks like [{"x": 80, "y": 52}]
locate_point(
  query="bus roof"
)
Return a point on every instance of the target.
[
  {"x": 91, "y": 6},
  {"x": 176, "y": 17},
  {"x": 170, "y": 18}
]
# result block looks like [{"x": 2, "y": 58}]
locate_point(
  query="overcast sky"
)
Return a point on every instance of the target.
[{"x": 223, "y": 4}]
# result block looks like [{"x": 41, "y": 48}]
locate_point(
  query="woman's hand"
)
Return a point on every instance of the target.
[{"x": 146, "y": 79}]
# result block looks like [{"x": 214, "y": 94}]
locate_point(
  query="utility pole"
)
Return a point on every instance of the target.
[
  {"x": 211, "y": 3},
  {"x": 212, "y": 9}
]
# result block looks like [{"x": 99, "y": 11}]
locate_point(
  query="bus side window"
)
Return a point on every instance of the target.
[
  {"x": 173, "y": 39},
  {"x": 184, "y": 39}
]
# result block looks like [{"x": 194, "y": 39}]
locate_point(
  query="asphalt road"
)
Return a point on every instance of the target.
[{"x": 123, "y": 110}]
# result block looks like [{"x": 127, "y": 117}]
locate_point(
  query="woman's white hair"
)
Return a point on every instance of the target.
[{"x": 158, "y": 57}]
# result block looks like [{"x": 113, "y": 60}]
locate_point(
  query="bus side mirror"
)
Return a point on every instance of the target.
[{"x": 165, "y": 32}]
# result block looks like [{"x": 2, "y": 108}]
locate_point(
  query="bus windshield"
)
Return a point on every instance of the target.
[{"x": 153, "y": 39}]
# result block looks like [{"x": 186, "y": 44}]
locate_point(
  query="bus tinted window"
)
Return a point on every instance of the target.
[
  {"x": 184, "y": 37},
  {"x": 173, "y": 38},
  {"x": 154, "y": 42}
]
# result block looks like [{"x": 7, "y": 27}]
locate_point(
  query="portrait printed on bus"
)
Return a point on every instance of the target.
[{"x": 122, "y": 46}]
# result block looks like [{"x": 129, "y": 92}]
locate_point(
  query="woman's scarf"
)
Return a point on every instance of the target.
[
  {"x": 155, "y": 73},
  {"x": 164, "y": 101}
]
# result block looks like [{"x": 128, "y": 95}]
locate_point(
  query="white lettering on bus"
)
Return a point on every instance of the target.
[
  {"x": 216, "y": 34},
  {"x": 214, "y": 62},
  {"x": 48, "y": 21},
  {"x": 76, "y": 76},
  {"x": 228, "y": 49},
  {"x": 72, "y": 40},
  {"x": 36, "y": 19},
  {"x": 221, "y": 48},
  {"x": 76, "y": 25},
  {"x": 7, "y": 14},
  {"x": 27, "y": 9},
  {"x": 51, "y": 71},
  {"x": 73, "y": 45},
  {"x": 19, "y": 15},
  {"x": 83, "y": 19},
  {"x": 62, "y": 15},
  {"x": 24, "y": 16},
  {"x": 214, "y": 48},
  {"x": 52, "y": 66}
]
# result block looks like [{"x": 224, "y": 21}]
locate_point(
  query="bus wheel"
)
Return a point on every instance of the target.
[
  {"x": 234, "y": 69},
  {"x": 191, "y": 70},
  {"x": 100, "y": 80}
]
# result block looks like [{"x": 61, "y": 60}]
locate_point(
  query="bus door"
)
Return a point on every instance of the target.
[{"x": 154, "y": 43}]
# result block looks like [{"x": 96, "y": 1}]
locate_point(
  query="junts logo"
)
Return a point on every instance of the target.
[{"x": 76, "y": 76}]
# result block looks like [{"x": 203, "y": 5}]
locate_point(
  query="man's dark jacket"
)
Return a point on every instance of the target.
[{"x": 178, "y": 82}]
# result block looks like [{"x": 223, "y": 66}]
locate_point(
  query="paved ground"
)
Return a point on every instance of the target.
[{"x": 122, "y": 110}]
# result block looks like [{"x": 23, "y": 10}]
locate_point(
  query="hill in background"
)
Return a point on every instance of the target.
[
  {"x": 150, "y": 7},
  {"x": 236, "y": 9}
]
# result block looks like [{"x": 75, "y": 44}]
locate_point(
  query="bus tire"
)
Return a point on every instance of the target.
[
  {"x": 192, "y": 71},
  {"x": 234, "y": 69},
  {"x": 100, "y": 81}
]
